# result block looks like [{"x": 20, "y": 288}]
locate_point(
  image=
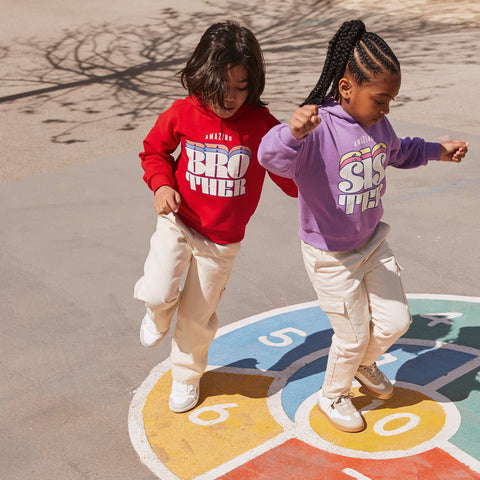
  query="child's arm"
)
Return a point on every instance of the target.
[
  {"x": 283, "y": 146},
  {"x": 158, "y": 162},
  {"x": 166, "y": 200},
  {"x": 453, "y": 150},
  {"x": 409, "y": 152}
]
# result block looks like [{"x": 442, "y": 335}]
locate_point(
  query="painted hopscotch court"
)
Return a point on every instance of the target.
[{"x": 257, "y": 416}]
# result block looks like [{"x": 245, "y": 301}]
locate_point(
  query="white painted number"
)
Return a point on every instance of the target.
[
  {"x": 354, "y": 474},
  {"x": 286, "y": 340},
  {"x": 386, "y": 358},
  {"x": 436, "y": 318},
  {"x": 413, "y": 421},
  {"x": 220, "y": 410},
  {"x": 379, "y": 427}
]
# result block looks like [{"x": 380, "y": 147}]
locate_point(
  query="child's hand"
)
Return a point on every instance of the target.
[
  {"x": 453, "y": 150},
  {"x": 304, "y": 120},
  {"x": 166, "y": 200}
]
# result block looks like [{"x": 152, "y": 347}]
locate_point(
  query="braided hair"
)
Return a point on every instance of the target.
[{"x": 365, "y": 54}]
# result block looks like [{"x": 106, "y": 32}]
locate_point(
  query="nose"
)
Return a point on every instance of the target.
[
  {"x": 230, "y": 96},
  {"x": 386, "y": 109}
]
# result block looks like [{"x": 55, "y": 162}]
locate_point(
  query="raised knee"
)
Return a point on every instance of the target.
[
  {"x": 398, "y": 326},
  {"x": 155, "y": 297},
  {"x": 405, "y": 322}
]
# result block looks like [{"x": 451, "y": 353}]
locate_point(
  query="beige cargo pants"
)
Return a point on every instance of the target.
[
  {"x": 362, "y": 294},
  {"x": 176, "y": 250}
]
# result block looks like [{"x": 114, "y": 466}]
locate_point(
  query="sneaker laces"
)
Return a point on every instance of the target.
[
  {"x": 344, "y": 404},
  {"x": 182, "y": 389},
  {"x": 373, "y": 372}
]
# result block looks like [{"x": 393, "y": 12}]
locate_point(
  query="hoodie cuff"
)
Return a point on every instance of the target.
[
  {"x": 287, "y": 138},
  {"x": 160, "y": 180},
  {"x": 432, "y": 151}
]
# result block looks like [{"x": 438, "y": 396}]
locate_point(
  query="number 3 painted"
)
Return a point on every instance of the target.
[{"x": 286, "y": 340}]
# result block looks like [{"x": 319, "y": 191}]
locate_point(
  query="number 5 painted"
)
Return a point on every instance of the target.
[{"x": 286, "y": 340}]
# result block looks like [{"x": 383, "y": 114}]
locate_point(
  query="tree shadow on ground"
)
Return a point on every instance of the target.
[{"x": 97, "y": 72}]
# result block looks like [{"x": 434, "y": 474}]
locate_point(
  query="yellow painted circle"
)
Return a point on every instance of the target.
[
  {"x": 406, "y": 420},
  {"x": 232, "y": 417}
]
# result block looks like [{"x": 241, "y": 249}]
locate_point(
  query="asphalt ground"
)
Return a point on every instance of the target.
[{"x": 80, "y": 87}]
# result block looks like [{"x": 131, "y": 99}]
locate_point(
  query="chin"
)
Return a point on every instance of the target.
[{"x": 225, "y": 114}]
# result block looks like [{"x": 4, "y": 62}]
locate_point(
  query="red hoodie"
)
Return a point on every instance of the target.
[{"x": 216, "y": 172}]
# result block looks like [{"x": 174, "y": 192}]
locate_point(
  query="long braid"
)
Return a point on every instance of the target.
[
  {"x": 364, "y": 53},
  {"x": 338, "y": 52}
]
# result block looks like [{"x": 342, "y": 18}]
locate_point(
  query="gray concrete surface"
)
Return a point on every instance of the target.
[{"x": 76, "y": 217}]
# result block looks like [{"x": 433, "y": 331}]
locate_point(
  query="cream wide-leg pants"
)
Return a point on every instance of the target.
[
  {"x": 362, "y": 294},
  {"x": 174, "y": 250}
]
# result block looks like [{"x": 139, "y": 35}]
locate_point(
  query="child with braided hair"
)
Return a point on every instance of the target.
[{"x": 336, "y": 147}]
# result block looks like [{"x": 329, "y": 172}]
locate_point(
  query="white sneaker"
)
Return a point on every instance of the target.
[
  {"x": 374, "y": 381},
  {"x": 150, "y": 337},
  {"x": 342, "y": 413},
  {"x": 182, "y": 397}
]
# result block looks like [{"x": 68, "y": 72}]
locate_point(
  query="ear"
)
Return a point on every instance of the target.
[{"x": 345, "y": 88}]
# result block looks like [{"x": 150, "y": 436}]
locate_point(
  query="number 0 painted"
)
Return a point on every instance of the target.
[{"x": 413, "y": 421}]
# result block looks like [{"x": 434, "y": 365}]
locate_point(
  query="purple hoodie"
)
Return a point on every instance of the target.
[{"x": 339, "y": 169}]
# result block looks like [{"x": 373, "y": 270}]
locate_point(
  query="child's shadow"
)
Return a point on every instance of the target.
[
  {"x": 225, "y": 381},
  {"x": 222, "y": 381},
  {"x": 425, "y": 366}
]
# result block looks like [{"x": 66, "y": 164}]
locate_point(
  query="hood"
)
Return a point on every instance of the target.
[{"x": 332, "y": 107}]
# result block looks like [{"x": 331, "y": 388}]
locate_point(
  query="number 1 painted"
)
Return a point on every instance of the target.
[{"x": 354, "y": 474}]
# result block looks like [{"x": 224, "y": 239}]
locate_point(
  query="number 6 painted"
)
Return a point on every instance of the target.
[
  {"x": 221, "y": 410},
  {"x": 286, "y": 340}
]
